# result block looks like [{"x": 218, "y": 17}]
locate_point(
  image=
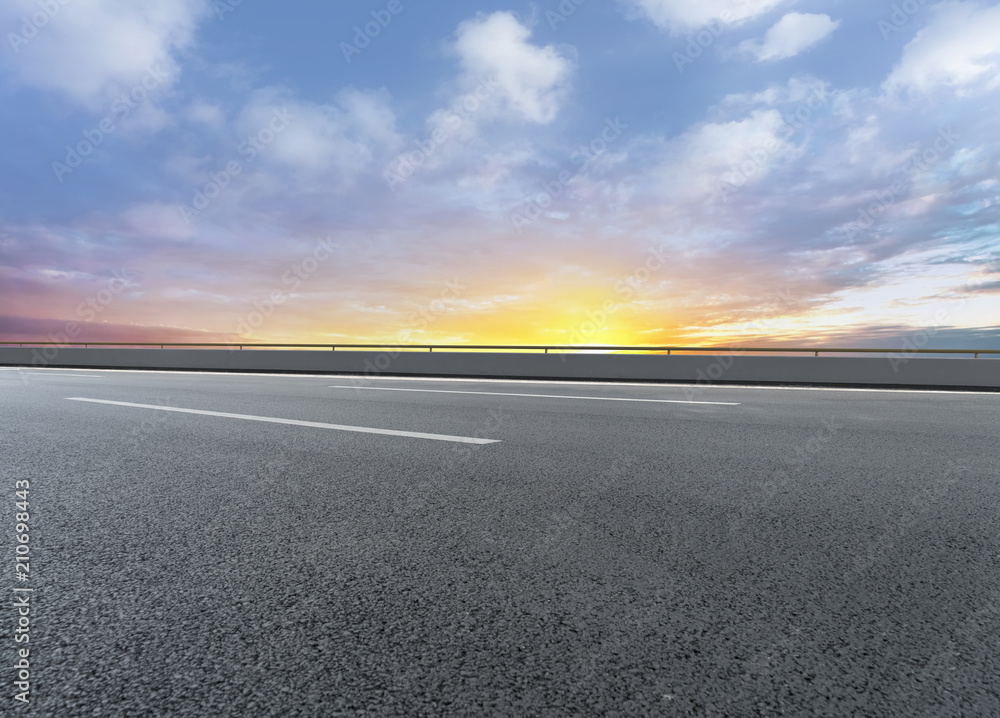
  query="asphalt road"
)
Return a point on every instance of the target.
[{"x": 767, "y": 552}]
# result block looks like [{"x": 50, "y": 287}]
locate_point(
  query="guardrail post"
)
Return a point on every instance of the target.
[
  {"x": 817, "y": 353},
  {"x": 431, "y": 349}
]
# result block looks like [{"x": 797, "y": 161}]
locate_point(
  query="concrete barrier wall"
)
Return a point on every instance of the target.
[{"x": 835, "y": 371}]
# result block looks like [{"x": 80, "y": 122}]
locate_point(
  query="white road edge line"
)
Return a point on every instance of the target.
[
  {"x": 296, "y": 422},
  {"x": 542, "y": 396}
]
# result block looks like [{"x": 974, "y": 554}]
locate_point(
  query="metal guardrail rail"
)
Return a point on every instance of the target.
[{"x": 497, "y": 347}]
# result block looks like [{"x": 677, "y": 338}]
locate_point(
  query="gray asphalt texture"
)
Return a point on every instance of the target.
[{"x": 806, "y": 553}]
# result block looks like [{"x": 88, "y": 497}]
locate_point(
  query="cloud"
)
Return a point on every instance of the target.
[
  {"x": 154, "y": 220},
  {"x": 534, "y": 78},
  {"x": 794, "y": 92},
  {"x": 25, "y": 328},
  {"x": 341, "y": 139},
  {"x": 207, "y": 114},
  {"x": 791, "y": 35},
  {"x": 90, "y": 51},
  {"x": 503, "y": 77},
  {"x": 700, "y": 161},
  {"x": 958, "y": 50},
  {"x": 689, "y": 15}
]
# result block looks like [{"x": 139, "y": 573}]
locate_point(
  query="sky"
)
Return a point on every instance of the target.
[{"x": 629, "y": 172}]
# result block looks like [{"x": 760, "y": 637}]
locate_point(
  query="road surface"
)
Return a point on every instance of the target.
[{"x": 205, "y": 544}]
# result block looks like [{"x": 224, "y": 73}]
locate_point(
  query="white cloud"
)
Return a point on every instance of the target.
[
  {"x": 791, "y": 35},
  {"x": 795, "y": 90},
  {"x": 370, "y": 112},
  {"x": 155, "y": 219},
  {"x": 145, "y": 121},
  {"x": 534, "y": 78},
  {"x": 688, "y": 15},
  {"x": 698, "y": 163},
  {"x": 91, "y": 51},
  {"x": 206, "y": 114},
  {"x": 340, "y": 139},
  {"x": 958, "y": 49}
]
